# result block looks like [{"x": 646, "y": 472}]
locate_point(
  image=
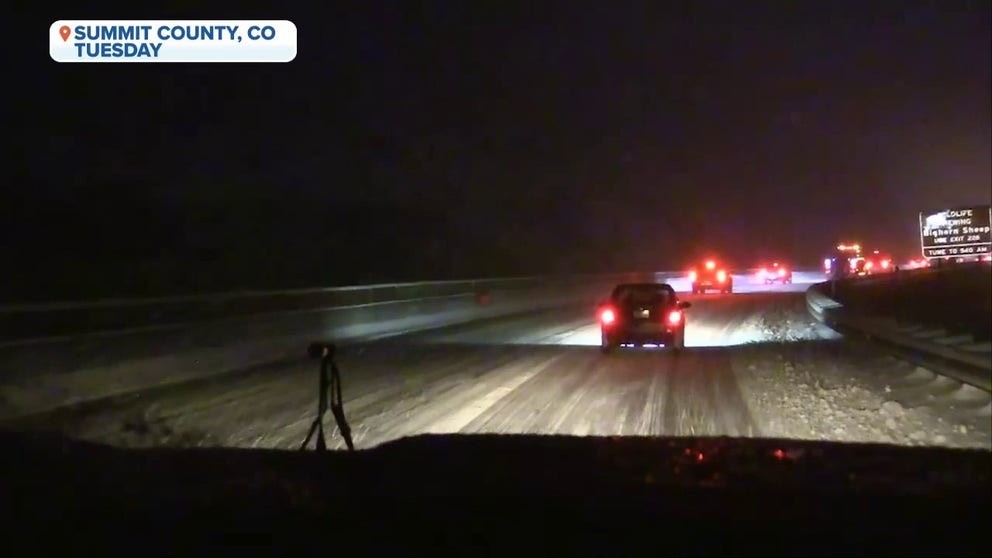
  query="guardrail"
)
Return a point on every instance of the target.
[
  {"x": 193, "y": 338},
  {"x": 973, "y": 361},
  {"x": 26, "y": 322},
  {"x": 957, "y": 297},
  {"x": 918, "y": 273},
  {"x": 39, "y": 321}
]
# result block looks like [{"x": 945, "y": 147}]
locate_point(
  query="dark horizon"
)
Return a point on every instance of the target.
[{"x": 432, "y": 140}]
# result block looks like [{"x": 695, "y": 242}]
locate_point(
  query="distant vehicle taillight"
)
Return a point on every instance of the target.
[
  {"x": 721, "y": 276},
  {"x": 711, "y": 265},
  {"x": 693, "y": 275},
  {"x": 826, "y": 264},
  {"x": 607, "y": 316},
  {"x": 869, "y": 264},
  {"x": 781, "y": 272},
  {"x": 762, "y": 273},
  {"x": 675, "y": 317},
  {"x": 885, "y": 264}
]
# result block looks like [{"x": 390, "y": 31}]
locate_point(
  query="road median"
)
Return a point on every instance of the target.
[{"x": 195, "y": 338}]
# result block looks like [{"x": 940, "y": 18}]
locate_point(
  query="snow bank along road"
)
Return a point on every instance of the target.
[{"x": 756, "y": 365}]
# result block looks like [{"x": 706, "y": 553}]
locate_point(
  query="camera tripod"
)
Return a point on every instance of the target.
[{"x": 332, "y": 383}]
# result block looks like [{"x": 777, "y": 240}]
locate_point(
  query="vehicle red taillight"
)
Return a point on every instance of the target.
[
  {"x": 721, "y": 276},
  {"x": 781, "y": 272},
  {"x": 711, "y": 265},
  {"x": 692, "y": 275},
  {"x": 885, "y": 264},
  {"x": 607, "y": 316},
  {"x": 675, "y": 317},
  {"x": 762, "y": 272}
]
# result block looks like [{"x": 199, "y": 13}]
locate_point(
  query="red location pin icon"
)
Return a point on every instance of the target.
[{"x": 64, "y": 31}]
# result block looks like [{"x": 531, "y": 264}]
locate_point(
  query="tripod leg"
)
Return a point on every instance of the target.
[
  {"x": 318, "y": 423},
  {"x": 337, "y": 407},
  {"x": 321, "y": 444},
  {"x": 343, "y": 425},
  {"x": 313, "y": 427}
]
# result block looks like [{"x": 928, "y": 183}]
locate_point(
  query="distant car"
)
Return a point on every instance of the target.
[
  {"x": 876, "y": 262},
  {"x": 642, "y": 314},
  {"x": 775, "y": 273},
  {"x": 711, "y": 276}
]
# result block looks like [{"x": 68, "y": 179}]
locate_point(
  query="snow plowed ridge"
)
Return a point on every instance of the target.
[
  {"x": 789, "y": 323},
  {"x": 797, "y": 394}
]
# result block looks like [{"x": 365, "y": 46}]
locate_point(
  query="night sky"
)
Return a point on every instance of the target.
[{"x": 419, "y": 140}]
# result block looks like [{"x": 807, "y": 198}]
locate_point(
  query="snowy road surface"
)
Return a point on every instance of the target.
[{"x": 756, "y": 365}]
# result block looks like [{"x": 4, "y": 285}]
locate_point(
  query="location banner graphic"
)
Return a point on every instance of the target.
[
  {"x": 172, "y": 41},
  {"x": 964, "y": 231}
]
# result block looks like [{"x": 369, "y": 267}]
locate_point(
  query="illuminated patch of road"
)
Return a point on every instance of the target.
[{"x": 467, "y": 412}]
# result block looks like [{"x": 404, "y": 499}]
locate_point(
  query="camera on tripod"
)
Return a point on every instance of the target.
[{"x": 329, "y": 381}]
